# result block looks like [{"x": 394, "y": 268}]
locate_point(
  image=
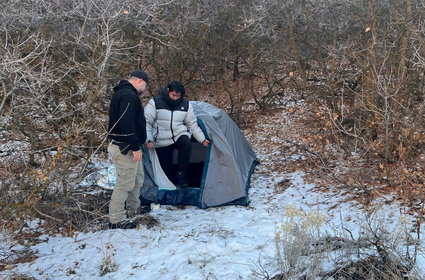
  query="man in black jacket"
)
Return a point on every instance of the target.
[{"x": 127, "y": 134}]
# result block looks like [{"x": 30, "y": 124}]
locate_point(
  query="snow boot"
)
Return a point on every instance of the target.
[
  {"x": 181, "y": 179},
  {"x": 123, "y": 225}
]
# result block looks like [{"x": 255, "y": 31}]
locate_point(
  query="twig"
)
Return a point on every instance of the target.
[
  {"x": 104, "y": 139},
  {"x": 304, "y": 148},
  {"x": 45, "y": 215}
]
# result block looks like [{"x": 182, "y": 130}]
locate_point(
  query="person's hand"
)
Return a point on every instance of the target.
[
  {"x": 150, "y": 145},
  {"x": 206, "y": 142},
  {"x": 137, "y": 155}
]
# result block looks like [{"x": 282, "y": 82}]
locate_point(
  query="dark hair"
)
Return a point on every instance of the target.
[{"x": 176, "y": 86}]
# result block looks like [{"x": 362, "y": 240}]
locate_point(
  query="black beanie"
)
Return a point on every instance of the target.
[{"x": 141, "y": 75}]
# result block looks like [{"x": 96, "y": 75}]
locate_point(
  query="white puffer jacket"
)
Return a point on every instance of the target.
[{"x": 164, "y": 124}]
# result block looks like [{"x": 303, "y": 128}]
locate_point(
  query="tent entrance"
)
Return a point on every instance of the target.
[
  {"x": 218, "y": 174},
  {"x": 196, "y": 165}
]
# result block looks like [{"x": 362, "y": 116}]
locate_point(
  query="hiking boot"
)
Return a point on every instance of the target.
[
  {"x": 123, "y": 225},
  {"x": 181, "y": 179},
  {"x": 141, "y": 211}
]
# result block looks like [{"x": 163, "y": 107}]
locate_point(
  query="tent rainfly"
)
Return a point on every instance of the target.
[{"x": 218, "y": 174}]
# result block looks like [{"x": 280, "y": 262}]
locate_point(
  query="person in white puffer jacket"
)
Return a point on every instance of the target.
[{"x": 170, "y": 123}]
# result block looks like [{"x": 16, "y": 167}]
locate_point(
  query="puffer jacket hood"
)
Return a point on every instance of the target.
[{"x": 172, "y": 103}]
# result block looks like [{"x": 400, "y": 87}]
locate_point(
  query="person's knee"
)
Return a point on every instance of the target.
[
  {"x": 125, "y": 179},
  {"x": 184, "y": 141}
]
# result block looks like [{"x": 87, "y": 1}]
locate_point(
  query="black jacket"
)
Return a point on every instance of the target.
[{"x": 127, "y": 123}]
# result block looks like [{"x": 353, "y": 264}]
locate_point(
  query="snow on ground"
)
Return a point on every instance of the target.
[
  {"x": 231, "y": 242},
  {"x": 191, "y": 243},
  {"x": 217, "y": 243}
]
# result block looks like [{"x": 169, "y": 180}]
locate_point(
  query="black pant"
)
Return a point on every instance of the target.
[{"x": 165, "y": 155}]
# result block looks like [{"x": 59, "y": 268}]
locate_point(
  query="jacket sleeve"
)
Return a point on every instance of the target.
[
  {"x": 192, "y": 122},
  {"x": 128, "y": 111},
  {"x": 150, "y": 115}
]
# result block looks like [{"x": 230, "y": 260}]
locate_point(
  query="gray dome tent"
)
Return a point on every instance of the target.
[{"x": 218, "y": 174}]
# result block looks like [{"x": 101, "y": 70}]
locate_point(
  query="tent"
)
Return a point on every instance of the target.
[{"x": 218, "y": 174}]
